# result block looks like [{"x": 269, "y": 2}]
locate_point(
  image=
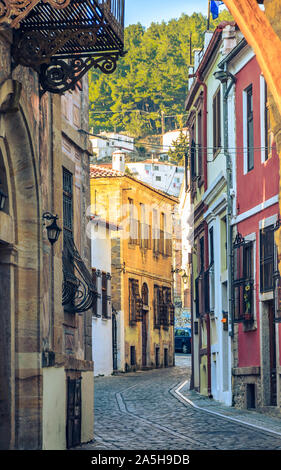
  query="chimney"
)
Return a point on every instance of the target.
[
  {"x": 197, "y": 59},
  {"x": 229, "y": 39},
  {"x": 118, "y": 161}
]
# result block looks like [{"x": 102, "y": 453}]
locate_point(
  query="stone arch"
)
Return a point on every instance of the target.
[{"x": 20, "y": 265}]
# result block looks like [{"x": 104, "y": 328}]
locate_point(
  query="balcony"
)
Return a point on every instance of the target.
[{"x": 63, "y": 39}]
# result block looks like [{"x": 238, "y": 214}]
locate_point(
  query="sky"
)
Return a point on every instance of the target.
[{"x": 146, "y": 11}]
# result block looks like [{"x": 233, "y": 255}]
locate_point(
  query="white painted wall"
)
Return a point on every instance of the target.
[
  {"x": 101, "y": 328},
  {"x": 54, "y": 408},
  {"x": 108, "y": 142},
  {"x": 163, "y": 176}
]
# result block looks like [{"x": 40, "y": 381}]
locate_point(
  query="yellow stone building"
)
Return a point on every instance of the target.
[{"x": 142, "y": 278}]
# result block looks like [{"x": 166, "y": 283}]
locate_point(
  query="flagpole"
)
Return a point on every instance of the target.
[{"x": 208, "y": 22}]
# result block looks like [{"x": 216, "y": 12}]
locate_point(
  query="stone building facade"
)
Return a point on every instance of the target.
[
  {"x": 142, "y": 278},
  {"x": 45, "y": 349}
]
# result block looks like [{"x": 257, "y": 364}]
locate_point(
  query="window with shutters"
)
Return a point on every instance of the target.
[
  {"x": 157, "y": 306},
  {"x": 67, "y": 203},
  {"x": 200, "y": 146},
  {"x": 95, "y": 303},
  {"x": 267, "y": 252},
  {"x": 243, "y": 279},
  {"x": 104, "y": 295},
  {"x": 250, "y": 128},
  {"x": 133, "y": 224},
  {"x": 135, "y": 302},
  {"x": 155, "y": 232},
  {"x": 216, "y": 122}
]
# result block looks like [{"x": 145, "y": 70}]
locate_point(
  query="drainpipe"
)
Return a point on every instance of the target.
[{"x": 223, "y": 76}]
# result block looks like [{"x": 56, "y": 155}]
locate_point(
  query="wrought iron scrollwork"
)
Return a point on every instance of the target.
[
  {"x": 79, "y": 292},
  {"x": 12, "y": 12},
  {"x": 60, "y": 75},
  {"x": 63, "y": 39}
]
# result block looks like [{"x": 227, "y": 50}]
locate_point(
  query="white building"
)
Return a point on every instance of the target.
[
  {"x": 103, "y": 319},
  {"x": 161, "y": 175},
  {"x": 170, "y": 137},
  {"x": 106, "y": 143}
]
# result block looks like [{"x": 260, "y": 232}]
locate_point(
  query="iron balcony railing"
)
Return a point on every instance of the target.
[{"x": 63, "y": 39}]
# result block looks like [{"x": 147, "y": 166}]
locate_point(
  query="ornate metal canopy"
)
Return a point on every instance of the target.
[{"x": 63, "y": 39}]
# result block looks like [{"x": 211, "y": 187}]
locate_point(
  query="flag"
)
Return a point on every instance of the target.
[{"x": 215, "y": 8}]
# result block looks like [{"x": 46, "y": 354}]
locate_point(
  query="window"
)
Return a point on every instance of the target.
[
  {"x": 211, "y": 235},
  {"x": 167, "y": 310},
  {"x": 133, "y": 224},
  {"x": 155, "y": 231},
  {"x": 162, "y": 233},
  {"x": 67, "y": 204},
  {"x": 266, "y": 259},
  {"x": 95, "y": 306},
  {"x": 216, "y": 122},
  {"x": 250, "y": 128},
  {"x": 211, "y": 272},
  {"x": 268, "y": 134},
  {"x": 157, "y": 306},
  {"x": 201, "y": 255},
  {"x": 145, "y": 229},
  {"x": 193, "y": 151},
  {"x": 243, "y": 282},
  {"x": 104, "y": 295},
  {"x": 158, "y": 178},
  {"x": 135, "y": 302},
  {"x": 156, "y": 167},
  {"x": 200, "y": 141}
]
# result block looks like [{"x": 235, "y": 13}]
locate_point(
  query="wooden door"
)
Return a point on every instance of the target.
[
  {"x": 144, "y": 338},
  {"x": 272, "y": 355}
]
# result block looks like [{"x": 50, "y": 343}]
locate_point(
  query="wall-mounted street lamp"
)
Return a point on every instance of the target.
[
  {"x": 182, "y": 273},
  {"x": 185, "y": 278},
  {"x": 3, "y": 198},
  {"x": 53, "y": 230}
]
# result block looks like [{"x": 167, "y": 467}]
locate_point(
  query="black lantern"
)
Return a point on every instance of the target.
[
  {"x": 53, "y": 230},
  {"x": 3, "y": 198}
]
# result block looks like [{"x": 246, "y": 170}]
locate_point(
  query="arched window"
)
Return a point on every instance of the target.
[{"x": 144, "y": 294}]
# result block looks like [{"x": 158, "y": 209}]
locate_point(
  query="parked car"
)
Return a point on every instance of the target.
[{"x": 183, "y": 340}]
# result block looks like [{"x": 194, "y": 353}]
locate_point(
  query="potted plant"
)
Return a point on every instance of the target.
[{"x": 247, "y": 301}]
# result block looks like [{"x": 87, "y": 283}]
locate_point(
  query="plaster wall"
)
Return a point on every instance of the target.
[{"x": 54, "y": 408}]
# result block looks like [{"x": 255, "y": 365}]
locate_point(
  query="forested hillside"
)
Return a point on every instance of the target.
[{"x": 146, "y": 93}]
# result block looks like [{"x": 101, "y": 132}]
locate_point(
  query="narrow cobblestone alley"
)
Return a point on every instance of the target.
[{"x": 142, "y": 411}]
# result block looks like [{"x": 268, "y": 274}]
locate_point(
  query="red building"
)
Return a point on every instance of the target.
[{"x": 257, "y": 333}]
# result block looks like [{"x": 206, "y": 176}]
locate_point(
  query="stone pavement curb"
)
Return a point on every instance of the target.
[{"x": 249, "y": 418}]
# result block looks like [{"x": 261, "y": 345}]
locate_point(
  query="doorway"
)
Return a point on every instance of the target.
[
  {"x": 272, "y": 354},
  {"x": 144, "y": 326},
  {"x": 268, "y": 354},
  {"x": 144, "y": 338}
]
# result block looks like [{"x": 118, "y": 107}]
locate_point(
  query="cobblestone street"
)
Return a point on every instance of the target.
[{"x": 141, "y": 410}]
